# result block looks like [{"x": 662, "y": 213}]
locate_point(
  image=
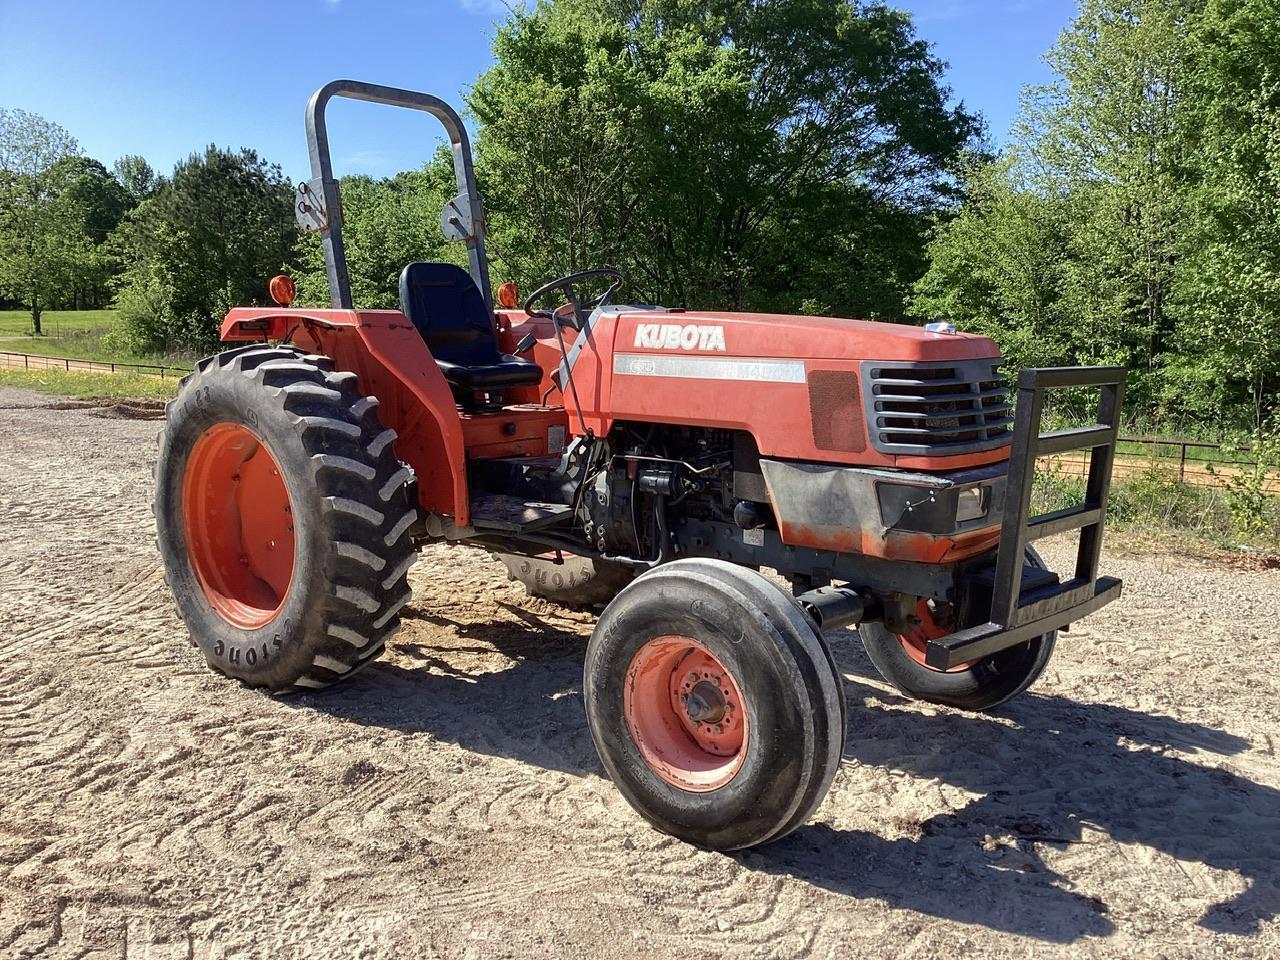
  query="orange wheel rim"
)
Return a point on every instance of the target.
[
  {"x": 238, "y": 522},
  {"x": 917, "y": 639},
  {"x": 685, "y": 714}
]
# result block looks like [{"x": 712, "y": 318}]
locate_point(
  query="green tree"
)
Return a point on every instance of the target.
[
  {"x": 997, "y": 267},
  {"x": 1068, "y": 248},
  {"x": 95, "y": 203},
  {"x": 86, "y": 185},
  {"x": 42, "y": 240},
  {"x": 209, "y": 238},
  {"x": 1229, "y": 286},
  {"x": 136, "y": 177},
  {"x": 1107, "y": 136},
  {"x": 722, "y": 152}
]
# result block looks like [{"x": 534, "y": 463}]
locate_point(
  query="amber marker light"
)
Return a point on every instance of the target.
[
  {"x": 282, "y": 289},
  {"x": 509, "y": 295}
]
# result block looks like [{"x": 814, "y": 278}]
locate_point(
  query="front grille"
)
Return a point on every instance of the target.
[{"x": 936, "y": 408}]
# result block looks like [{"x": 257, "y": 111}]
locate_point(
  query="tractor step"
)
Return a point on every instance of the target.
[
  {"x": 514, "y": 514},
  {"x": 521, "y": 478}
]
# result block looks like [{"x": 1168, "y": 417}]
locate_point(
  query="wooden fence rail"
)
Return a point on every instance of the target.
[
  {"x": 1186, "y": 457},
  {"x": 31, "y": 361}
]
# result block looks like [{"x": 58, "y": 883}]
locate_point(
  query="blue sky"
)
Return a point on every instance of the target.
[{"x": 165, "y": 77}]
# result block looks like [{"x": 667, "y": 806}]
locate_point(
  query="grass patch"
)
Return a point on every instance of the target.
[
  {"x": 56, "y": 323},
  {"x": 97, "y": 386},
  {"x": 78, "y": 334}
]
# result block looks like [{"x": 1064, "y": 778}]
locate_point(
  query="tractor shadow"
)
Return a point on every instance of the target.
[
  {"x": 453, "y": 677},
  {"x": 1050, "y": 772}
]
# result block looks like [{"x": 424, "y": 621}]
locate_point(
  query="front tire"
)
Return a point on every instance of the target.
[
  {"x": 980, "y": 685},
  {"x": 282, "y": 517},
  {"x": 714, "y": 704}
]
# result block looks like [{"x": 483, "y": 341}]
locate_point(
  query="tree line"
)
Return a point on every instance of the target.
[
  {"x": 1135, "y": 217},
  {"x": 801, "y": 156},
  {"x": 171, "y": 252}
]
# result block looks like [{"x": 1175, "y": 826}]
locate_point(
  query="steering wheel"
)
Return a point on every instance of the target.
[{"x": 581, "y": 309}]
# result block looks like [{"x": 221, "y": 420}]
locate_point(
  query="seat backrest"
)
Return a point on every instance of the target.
[{"x": 444, "y": 303}]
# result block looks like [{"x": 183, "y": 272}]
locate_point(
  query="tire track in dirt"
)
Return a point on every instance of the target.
[{"x": 133, "y": 604}]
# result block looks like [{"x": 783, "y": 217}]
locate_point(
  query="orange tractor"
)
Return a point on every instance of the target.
[{"x": 649, "y": 459}]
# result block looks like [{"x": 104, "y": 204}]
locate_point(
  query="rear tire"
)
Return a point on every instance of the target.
[
  {"x": 575, "y": 581},
  {"x": 763, "y": 762},
  {"x": 981, "y": 685},
  {"x": 282, "y": 517}
]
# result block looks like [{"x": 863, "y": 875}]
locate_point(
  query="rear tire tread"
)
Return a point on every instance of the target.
[{"x": 365, "y": 509}]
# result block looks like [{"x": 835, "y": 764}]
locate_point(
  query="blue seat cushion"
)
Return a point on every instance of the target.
[{"x": 445, "y": 306}]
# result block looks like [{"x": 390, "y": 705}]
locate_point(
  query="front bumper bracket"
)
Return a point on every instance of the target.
[{"x": 1019, "y": 610}]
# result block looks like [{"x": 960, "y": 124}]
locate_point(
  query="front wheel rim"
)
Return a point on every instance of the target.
[
  {"x": 915, "y": 642},
  {"x": 238, "y": 525},
  {"x": 686, "y": 714}
]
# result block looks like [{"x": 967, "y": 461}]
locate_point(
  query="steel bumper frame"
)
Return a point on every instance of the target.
[{"x": 1018, "y": 614}]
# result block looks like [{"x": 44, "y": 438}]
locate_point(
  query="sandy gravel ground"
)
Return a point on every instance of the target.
[{"x": 448, "y": 802}]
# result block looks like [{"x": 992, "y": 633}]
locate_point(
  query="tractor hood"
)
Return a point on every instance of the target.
[{"x": 790, "y": 336}]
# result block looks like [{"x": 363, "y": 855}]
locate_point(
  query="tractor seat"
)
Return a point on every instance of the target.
[{"x": 444, "y": 304}]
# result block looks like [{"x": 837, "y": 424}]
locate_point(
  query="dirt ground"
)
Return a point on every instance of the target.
[{"x": 448, "y": 801}]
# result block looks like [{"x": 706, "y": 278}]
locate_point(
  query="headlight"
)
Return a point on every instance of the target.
[
  {"x": 971, "y": 505},
  {"x": 935, "y": 510}
]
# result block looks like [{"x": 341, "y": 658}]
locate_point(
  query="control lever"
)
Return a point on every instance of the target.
[{"x": 526, "y": 343}]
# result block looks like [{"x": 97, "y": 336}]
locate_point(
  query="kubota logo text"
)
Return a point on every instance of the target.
[{"x": 673, "y": 336}]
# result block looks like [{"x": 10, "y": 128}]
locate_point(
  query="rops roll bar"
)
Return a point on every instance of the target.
[{"x": 319, "y": 208}]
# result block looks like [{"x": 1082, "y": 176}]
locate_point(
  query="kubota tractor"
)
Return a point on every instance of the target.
[{"x": 651, "y": 459}]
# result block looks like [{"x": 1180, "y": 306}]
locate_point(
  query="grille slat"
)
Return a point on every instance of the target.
[
  {"x": 922, "y": 418},
  {"x": 1001, "y": 392},
  {"x": 965, "y": 432},
  {"x": 936, "y": 408},
  {"x": 902, "y": 382}
]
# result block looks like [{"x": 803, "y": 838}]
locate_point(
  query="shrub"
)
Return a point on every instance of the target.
[
  {"x": 1156, "y": 500},
  {"x": 146, "y": 322},
  {"x": 1253, "y": 512}
]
